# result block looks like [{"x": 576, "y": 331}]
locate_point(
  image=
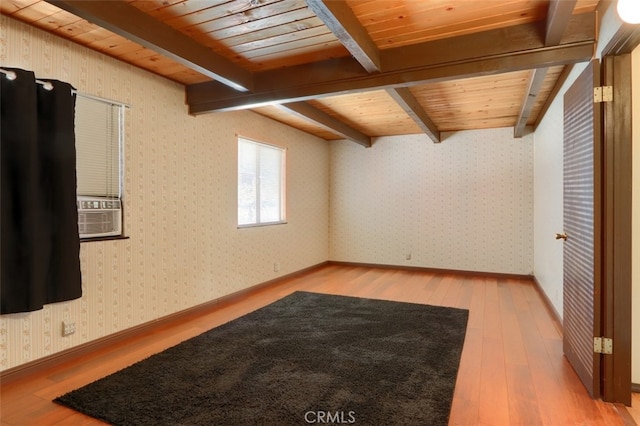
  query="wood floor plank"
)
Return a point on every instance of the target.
[
  {"x": 634, "y": 410},
  {"x": 466, "y": 294},
  {"x": 466, "y": 398},
  {"x": 477, "y": 305},
  {"x": 494, "y": 398},
  {"x": 550, "y": 394},
  {"x": 523, "y": 407},
  {"x": 514, "y": 351},
  {"x": 512, "y": 370},
  {"x": 454, "y": 287}
]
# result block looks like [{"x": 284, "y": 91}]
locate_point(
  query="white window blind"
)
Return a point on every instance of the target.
[
  {"x": 99, "y": 128},
  {"x": 261, "y": 183}
]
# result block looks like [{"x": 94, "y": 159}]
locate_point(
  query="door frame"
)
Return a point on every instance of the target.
[{"x": 617, "y": 215}]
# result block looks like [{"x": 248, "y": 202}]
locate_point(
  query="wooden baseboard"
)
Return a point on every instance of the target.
[
  {"x": 635, "y": 387},
  {"x": 557, "y": 319},
  {"x": 9, "y": 375},
  {"x": 498, "y": 275}
]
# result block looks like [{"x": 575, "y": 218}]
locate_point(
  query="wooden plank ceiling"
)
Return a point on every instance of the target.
[{"x": 354, "y": 69}]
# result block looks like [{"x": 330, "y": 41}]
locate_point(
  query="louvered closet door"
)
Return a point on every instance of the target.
[{"x": 582, "y": 266}]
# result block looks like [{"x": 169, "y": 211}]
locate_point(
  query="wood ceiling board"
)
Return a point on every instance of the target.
[
  {"x": 373, "y": 113},
  {"x": 163, "y": 10},
  {"x": 139, "y": 54},
  {"x": 550, "y": 81},
  {"x": 232, "y": 23},
  {"x": 407, "y": 22},
  {"x": 115, "y": 45},
  {"x": 186, "y": 76},
  {"x": 133, "y": 24},
  {"x": 326, "y": 121},
  {"x": 339, "y": 18},
  {"x": 312, "y": 44},
  {"x": 76, "y": 28},
  {"x": 412, "y": 107},
  {"x": 280, "y": 39},
  {"x": 306, "y": 55},
  {"x": 95, "y": 34},
  {"x": 586, "y": 6},
  {"x": 11, "y": 6},
  {"x": 296, "y": 122},
  {"x": 153, "y": 6},
  {"x": 195, "y": 13},
  {"x": 215, "y": 31},
  {"x": 459, "y": 104},
  {"x": 58, "y": 20},
  {"x": 162, "y": 65},
  {"x": 282, "y": 30},
  {"x": 34, "y": 12}
]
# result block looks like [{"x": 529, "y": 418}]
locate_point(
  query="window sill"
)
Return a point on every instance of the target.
[
  {"x": 260, "y": 225},
  {"x": 114, "y": 237}
]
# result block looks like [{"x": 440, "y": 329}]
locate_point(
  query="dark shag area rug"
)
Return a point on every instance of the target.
[{"x": 305, "y": 359}]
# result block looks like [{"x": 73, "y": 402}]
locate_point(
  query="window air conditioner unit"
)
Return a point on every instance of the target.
[{"x": 99, "y": 217}]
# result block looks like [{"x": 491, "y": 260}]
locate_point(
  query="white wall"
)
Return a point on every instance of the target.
[
  {"x": 635, "y": 241},
  {"x": 464, "y": 204},
  {"x": 180, "y": 204}
]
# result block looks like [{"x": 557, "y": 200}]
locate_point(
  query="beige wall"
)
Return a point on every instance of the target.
[
  {"x": 464, "y": 204},
  {"x": 635, "y": 249},
  {"x": 180, "y": 204}
]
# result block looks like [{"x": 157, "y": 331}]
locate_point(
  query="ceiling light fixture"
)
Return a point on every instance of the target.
[{"x": 629, "y": 11}]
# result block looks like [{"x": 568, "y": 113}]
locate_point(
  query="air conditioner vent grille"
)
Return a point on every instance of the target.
[{"x": 99, "y": 217}]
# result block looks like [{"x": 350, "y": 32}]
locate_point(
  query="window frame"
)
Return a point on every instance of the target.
[
  {"x": 119, "y": 114},
  {"x": 282, "y": 187}
]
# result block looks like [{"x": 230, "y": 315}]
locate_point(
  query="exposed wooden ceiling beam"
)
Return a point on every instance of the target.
[
  {"x": 324, "y": 120},
  {"x": 133, "y": 24},
  {"x": 204, "y": 98},
  {"x": 504, "y": 41},
  {"x": 554, "y": 92},
  {"x": 408, "y": 102},
  {"x": 533, "y": 88},
  {"x": 558, "y": 17},
  {"x": 341, "y": 20},
  {"x": 513, "y": 48}
]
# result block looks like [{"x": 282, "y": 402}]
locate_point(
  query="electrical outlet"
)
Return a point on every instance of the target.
[
  {"x": 276, "y": 266},
  {"x": 68, "y": 328}
]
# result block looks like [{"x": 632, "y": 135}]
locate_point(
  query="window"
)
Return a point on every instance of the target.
[
  {"x": 261, "y": 194},
  {"x": 99, "y": 129},
  {"x": 98, "y": 147}
]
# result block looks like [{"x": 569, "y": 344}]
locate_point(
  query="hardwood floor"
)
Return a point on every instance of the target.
[
  {"x": 634, "y": 410},
  {"x": 512, "y": 370}
]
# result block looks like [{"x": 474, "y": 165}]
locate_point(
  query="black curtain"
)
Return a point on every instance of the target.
[{"x": 39, "y": 226}]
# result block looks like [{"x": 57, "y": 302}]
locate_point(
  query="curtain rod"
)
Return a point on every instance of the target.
[{"x": 10, "y": 75}]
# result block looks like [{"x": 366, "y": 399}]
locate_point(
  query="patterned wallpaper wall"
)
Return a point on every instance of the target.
[
  {"x": 180, "y": 204},
  {"x": 464, "y": 204}
]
